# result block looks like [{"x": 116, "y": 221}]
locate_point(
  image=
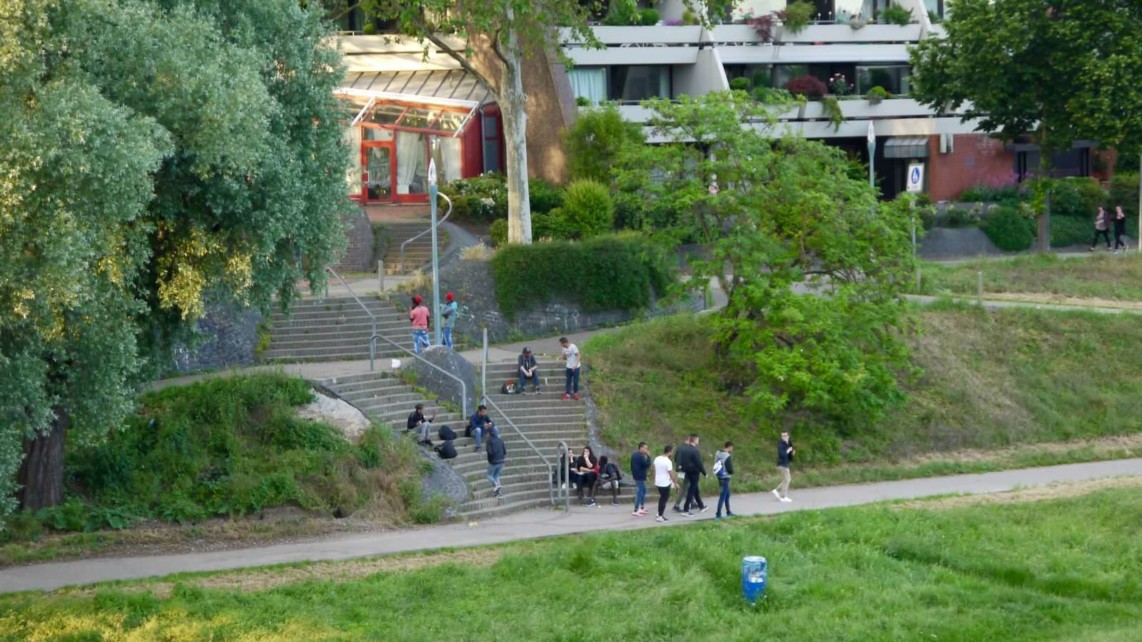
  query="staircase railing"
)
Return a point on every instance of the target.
[
  {"x": 463, "y": 387},
  {"x": 530, "y": 444},
  {"x": 420, "y": 234},
  {"x": 372, "y": 317},
  {"x": 562, "y": 486}
]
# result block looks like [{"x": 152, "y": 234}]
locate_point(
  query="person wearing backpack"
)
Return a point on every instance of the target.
[
  {"x": 497, "y": 454},
  {"x": 609, "y": 477},
  {"x": 724, "y": 470}
]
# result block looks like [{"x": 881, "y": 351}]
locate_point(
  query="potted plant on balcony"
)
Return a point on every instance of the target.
[
  {"x": 765, "y": 27},
  {"x": 858, "y": 21},
  {"x": 877, "y": 94},
  {"x": 895, "y": 14},
  {"x": 806, "y": 87},
  {"x": 796, "y": 16}
]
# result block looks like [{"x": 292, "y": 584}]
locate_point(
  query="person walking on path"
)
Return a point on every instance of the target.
[
  {"x": 1101, "y": 228},
  {"x": 528, "y": 369},
  {"x": 724, "y": 470},
  {"x": 785, "y": 454},
  {"x": 571, "y": 356},
  {"x": 690, "y": 461},
  {"x": 664, "y": 479},
  {"x": 419, "y": 316},
  {"x": 448, "y": 312},
  {"x": 1119, "y": 228},
  {"x": 640, "y": 464},
  {"x": 689, "y": 441},
  {"x": 497, "y": 455}
]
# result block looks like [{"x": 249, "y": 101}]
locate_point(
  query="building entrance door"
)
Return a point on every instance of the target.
[{"x": 377, "y": 159}]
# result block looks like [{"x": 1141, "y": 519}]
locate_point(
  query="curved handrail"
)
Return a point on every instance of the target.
[
  {"x": 442, "y": 219},
  {"x": 562, "y": 487},
  {"x": 463, "y": 386},
  {"x": 550, "y": 469},
  {"x": 372, "y": 317}
]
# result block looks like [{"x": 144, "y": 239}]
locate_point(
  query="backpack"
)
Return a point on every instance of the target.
[
  {"x": 446, "y": 450},
  {"x": 509, "y": 387},
  {"x": 446, "y": 433},
  {"x": 719, "y": 467}
]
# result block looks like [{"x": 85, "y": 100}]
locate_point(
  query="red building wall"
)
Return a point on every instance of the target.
[{"x": 975, "y": 159}]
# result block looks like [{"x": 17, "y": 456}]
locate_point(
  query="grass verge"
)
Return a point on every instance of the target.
[
  {"x": 1103, "y": 276},
  {"x": 995, "y": 383},
  {"x": 1058, "y": 569}
]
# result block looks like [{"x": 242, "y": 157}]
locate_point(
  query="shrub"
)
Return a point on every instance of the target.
[
  {"x": 499, "y": 232},
  {"x": 622, "y": 13},
  {"x": 1009, "y": 229},
  {"x": 959, "y": 217},
  {"x": 740, "y": 84},
  {"x": 593, "y": 142},
  {"x": 808, "y": 86},
  {"x": 588, "y": 208},
  {"x": 613, "y": 272},
  {"x": 648, "y": 17},
  {"x": 1124, "y": 192},
  {"x": 1077, "y": 197},
  {"x": 543, "y": 195},
  {"x": 796, "y": 16},
  {"x": 763, "y": 26},
  {"x": 552, "y": 225},
  {"x": 896, "y": 15},
  {"x": 982, "y": 193},
  {"x": 1068, "y": 230},
  {"x": 878, "y": 93},
  {"x": 481, "y": 198}
]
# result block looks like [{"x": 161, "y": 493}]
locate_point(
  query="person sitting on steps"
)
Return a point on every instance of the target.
[
  {"x": 423, "y": 426},
  {"x": 528, "y": 369},
  {"x": 609, "y": 477},
  {"x": 587, "y": 468},
  {"x": 478, "y": 426}
]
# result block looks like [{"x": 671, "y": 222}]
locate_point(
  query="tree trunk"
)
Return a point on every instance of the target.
[
  {"x": 512, "y": 106},
  {"x": 1044, "y": 245},
  {"x": 41, "y": 472}
]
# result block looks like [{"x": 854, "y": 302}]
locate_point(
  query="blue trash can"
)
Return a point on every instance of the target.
[{"x": 755, "y": 571}]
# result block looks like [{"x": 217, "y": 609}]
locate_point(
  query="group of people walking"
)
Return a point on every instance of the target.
[{"x": 1102, "y": 224}]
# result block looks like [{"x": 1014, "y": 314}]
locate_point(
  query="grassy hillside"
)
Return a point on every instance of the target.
[
  {"x": 1058, "y": 569},
  {"x": 1102, "y": 276},
  {"x": 991, "y": 380},
  {"x": 228, "y": 447}
]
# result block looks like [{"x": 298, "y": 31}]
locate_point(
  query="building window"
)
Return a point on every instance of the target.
[
  {"x": 634, "y": 83},
  {"x": 589, "y": 83},
  {"x": 894, "y": 79}
]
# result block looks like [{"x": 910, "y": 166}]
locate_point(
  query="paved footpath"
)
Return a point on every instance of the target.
[{"x": 539, "y": 523}]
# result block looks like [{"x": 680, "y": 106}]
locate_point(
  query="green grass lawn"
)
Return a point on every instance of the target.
[
  {"x": 1103, "y": 276},
  {"x": 993, "y": 382},
  {"x": 1059, "y": 569}
]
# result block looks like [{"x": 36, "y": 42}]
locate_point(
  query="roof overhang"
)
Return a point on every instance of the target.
[{"x": 906, "y": 147}]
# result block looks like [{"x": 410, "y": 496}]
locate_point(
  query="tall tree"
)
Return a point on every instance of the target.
[
  {"x": 160, "y": 152},
  {"x": 502, "y": 33},
  {"x": 782, "y": 215},
  {"x": 1034, "y": 66}
]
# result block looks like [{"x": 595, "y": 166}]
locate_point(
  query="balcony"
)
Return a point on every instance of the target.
[{"x": 818, "y": 34}]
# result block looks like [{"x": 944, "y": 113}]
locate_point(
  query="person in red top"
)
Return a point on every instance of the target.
[{"x": 419, "y": 316}]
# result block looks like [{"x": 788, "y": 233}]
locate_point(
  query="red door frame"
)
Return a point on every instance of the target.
[{"x": 365, "y": 146}]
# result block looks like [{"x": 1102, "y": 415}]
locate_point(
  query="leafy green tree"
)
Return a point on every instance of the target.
[
  {"x": 498, "y": 36},
  {"x": 1059, "y": 69},
  {"x": 812, "y": 266},
  {"x": 593, "y": 143},
  {"x": 155, "y": 153}
]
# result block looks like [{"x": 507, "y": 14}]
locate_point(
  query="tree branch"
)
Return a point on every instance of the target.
[
  {"x": 496, "y": 48},
  {"x": 428, "y": 35}
]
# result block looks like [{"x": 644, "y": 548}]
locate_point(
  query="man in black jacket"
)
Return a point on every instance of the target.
[
  {"x": 690, "y": 462},
  {"x": 421, "y": 424},
  {"x": 497, "y": 454},
  {"x": 784, "y": 457}
]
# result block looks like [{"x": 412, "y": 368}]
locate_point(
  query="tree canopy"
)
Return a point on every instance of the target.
[
  {"x": 812, "y": 265},
  {"x": 156, "y": 153}
]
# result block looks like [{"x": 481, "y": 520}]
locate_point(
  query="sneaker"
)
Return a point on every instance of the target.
[
  {"x": 660, "y": 518},
  {"x": 566, "y": 396},
  {"x": 786, "y": 500},
  {"x": 716, "y": 516},
  {"x": 538, "y": 391},
  {"x": 614, "y": 502},
  {"x": 729, "y": 514},
  {"x": 687, "y": 514},
  {"x": 575, "y": 396},
  {"x": 593, "y": 503},
  {"x": 677, "y": 510},
  {"x": 498, "y": 491},
  {"x": 704, "y": 509},
  {"x": 642, "y": 511},
  {"x": 636, "y": 513},
  {"x": 1116, "y": 251},
  {"x": 1090, "y": 249},
  {"x": 776, "y": 494}
]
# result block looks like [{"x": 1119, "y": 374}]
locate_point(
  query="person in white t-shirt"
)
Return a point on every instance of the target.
[
  {"x": 571, "y": 356},
  {"x": 664, "y": 480}
]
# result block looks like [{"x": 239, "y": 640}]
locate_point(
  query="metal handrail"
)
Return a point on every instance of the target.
[
  {"x": 372, "y": 317},
  {"x": 463, "y": 386},
  {"x": 442, "y": 219},
  {"x": 488, "y": 400},
  {"x": 562, "y": 487}
]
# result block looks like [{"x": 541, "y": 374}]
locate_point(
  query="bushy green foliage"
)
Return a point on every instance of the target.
[
  {"x": 480, "y": 198},
  {"x": 499, "y": 232},
  {"x": 613, "y": 272},
  {"x": 552, "y": 225},
  {"x": 896, "y": 15},
  {"x": 543, "y": 195},
  {"x": 959, "y": 217},
  {"x": 797, "y": 15},
  {"x": 592, "y": 144},
  {"x": 982, "y": 193},
  {"x": 648, "y": 17},
  {"x": 1009, "y": 229},
  {"x": 588, "y": 208},
  {"x": 1076, "y": 197},
  {"x": 1124, "y": 192},
  {"x": 1067, "y": 231},
  {"x": 740, "y": 84}
]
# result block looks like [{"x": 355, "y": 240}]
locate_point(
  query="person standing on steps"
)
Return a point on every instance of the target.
[
  {"x": 640, "y": 464},
  {"x": 497, "y": 455},
  {"x": 528, "y": 369},
  {"x": 690, "y": 461},
  {"x": 1119, "y": 228},
  {"x": 571, "y": 356},
  {"x": 419, "y": 316},
  {"x": 448, "y": 312},
  {"x": 1101, "y": 228},
  {"x": 664, "y": 479},
  {"x": 724, "y": 470},
  {"x": 785, "y": 454}
]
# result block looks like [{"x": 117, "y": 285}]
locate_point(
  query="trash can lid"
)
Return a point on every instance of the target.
[{"x": 753, "y": 558}]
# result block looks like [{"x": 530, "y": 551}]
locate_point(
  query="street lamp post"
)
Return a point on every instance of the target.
[
  {"x": 432, "y": 194},
  {"x": 871, "y": 155}
]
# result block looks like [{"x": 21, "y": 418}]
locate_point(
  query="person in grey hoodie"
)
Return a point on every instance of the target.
[
  {"x": 497, "y": 454},
  {"x": 724, "y": 470}
]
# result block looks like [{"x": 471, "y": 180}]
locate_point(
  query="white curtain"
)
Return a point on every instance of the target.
[
  {"x": 410, "y": 155},
  {"x": 589, "y": 83},
  {"x": 353, "y": 174},
  {"x": 449, "y": 159}
]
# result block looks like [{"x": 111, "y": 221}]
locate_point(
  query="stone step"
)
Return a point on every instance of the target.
[
  {"x": 346, "y": 385},
  {"x": 301, "y": 318},
  {"x": 332, "y": 304},
  {"x": 334, "y": 342},
  {"x": 511, "y": 502},
  {"x": 320, "y": 354},
  {"x": 361, "y": 324}
]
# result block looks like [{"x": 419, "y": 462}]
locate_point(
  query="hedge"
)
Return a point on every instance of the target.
[
  {"x": 613, "y": 272},
  {"x": 1008, "y": 229}
]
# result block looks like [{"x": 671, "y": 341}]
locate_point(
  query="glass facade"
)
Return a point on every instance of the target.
[{"x": 893, "y": 78}]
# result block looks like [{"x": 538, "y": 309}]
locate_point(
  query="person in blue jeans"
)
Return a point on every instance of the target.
[
  {"x": 449, "y": 311},
  {"x": 480, "y": 424},
  {"x": 497, "y": 455},
  {"x": 639, "y": 466},
  {"x": 724, "y": 470},
  {"x": 574, "y": 363}
]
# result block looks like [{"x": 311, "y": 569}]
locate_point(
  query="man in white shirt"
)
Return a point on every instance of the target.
[
  {"x": 571, "y": 356},
  {"x": 664, "y": 480}
]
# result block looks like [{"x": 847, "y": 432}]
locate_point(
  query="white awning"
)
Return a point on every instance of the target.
[
  {"x": 906, "y": 147},
  {"x": 442, "y": 101}
]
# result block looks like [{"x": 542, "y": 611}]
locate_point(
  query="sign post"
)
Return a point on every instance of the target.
[
  {"x": 432, "y": 192},
  {"x": 915, "y": 185}
]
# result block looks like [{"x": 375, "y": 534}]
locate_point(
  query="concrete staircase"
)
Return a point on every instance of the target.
[
  {"x": 546, "y": 420},
  {"x": 417, "y": 254},
  {"x": 387, "y": 399},
  {"x": 336, "y": 329}
]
